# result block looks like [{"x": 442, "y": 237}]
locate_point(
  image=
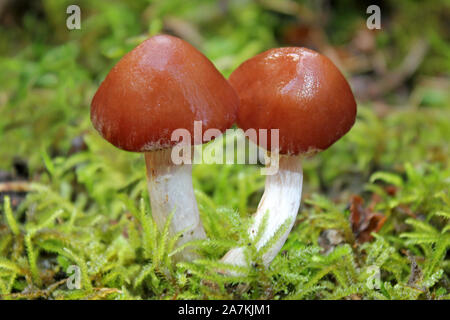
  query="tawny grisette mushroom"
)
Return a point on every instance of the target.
[
  {"x": 163, "y": 85},
  {"x": 302, "y": 94}
]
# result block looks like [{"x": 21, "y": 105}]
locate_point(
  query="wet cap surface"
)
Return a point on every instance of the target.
[
  {"x": 298, "y": 91},
  {"x": 162, "y": 85}
]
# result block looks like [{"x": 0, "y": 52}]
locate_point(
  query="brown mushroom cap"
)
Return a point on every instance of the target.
[
  {"x": 298, "y": 91},
  {"x": 162, "y": 85}
]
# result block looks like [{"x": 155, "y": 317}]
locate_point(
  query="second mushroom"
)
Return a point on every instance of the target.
[{"x": 302, "y": 94}]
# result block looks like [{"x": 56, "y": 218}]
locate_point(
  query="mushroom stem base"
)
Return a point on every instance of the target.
[
  {"x": 281, "y": 202},
  {"x": 170, "y": 188}
]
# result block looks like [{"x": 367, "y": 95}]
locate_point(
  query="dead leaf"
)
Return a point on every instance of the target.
[{"x": 363, "y": 220}]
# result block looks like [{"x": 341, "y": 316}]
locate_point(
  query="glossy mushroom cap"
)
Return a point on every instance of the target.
[
  {"x": 162, "y": 85},
  {"x": 298, "y": 91}
]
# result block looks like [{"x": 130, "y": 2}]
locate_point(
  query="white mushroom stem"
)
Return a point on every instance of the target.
[
  {"x": 280, "y": 201},
  {"x": 170, "y": 188}
]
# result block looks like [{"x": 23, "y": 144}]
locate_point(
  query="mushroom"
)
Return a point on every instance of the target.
[
  {"x": 302, "y": 94},
  {"x": 162, "y": 85}
]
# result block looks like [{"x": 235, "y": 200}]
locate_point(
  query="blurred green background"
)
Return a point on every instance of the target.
[
  {"x": 59, "y": 174},
  {"x": 49, "y": 73}
]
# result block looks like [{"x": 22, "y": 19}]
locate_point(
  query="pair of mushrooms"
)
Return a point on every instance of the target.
[{"x": 165, "y": 84}]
